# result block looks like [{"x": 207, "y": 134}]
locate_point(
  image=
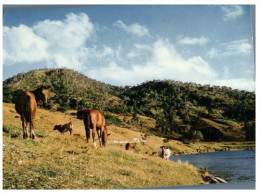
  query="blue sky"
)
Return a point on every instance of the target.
[{"x": 130, "y": 44}]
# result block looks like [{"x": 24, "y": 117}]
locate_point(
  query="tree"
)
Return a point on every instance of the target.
[
  {"x": 142, "y": 122},
  {"x": 197, "y": 137},
  {"x": 134, "y": 120},
  {"x": 249, "y": 129}
]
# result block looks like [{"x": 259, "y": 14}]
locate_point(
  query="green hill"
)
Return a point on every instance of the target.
[{"x": 184, "y": 111}]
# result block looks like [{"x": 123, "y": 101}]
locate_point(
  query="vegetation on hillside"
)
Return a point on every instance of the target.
[
  {"x": 180, "y": 109},
  {"x": 64, "y": 161},
  {"x": 72, "y": 163}
]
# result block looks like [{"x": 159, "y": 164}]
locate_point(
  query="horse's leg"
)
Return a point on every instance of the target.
[
  {"x": 25, "y": 127},
  {"x": 32, "y": 134},
  {"x": 87, "y": 130},
  {"x": 93, "y": 135},
  {"x": 87, "y": 133},
  {"x": 100, "y": 136}
]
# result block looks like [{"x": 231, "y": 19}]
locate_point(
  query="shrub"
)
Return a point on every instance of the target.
[
  {"x": 80, "y": 113},
  {"x": 110, "y": 119},
  {"x": 63, "y": 108},
  {"x": 41, "y": 133},
  {"x": 12, "y": 130}
]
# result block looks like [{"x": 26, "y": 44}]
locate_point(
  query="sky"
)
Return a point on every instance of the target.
[{"x": 130, "y": 44}]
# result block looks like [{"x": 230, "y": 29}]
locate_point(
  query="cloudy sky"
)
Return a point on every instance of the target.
[{"x": 127, "y": 45}]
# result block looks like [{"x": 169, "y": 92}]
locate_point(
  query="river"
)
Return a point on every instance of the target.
[{"x": 232, "y": 166}]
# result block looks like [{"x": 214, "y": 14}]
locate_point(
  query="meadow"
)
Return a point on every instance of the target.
[
  {"x": 63, "y": 161},
  {"x": 56, "y": 161}
]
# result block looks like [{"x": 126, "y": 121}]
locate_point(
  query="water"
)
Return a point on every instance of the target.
[{"x": 232, "y": 166}]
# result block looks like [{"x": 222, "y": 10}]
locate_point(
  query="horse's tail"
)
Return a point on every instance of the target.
[
  {"x": 87, "y": 125},
  {"x": 27, "y": 109}
]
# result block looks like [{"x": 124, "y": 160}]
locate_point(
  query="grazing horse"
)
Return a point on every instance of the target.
[
  {"x": 64, "y": 128},
  {"x": 96, "y": 121},
  {"x": 128, "y": 146},
  {"x": 164, "y": 152},
  {"x": 26, "y": 106}
]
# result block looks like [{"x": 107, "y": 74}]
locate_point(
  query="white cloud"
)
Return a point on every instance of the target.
[
  {"x": 238, "y": 47},
  {"x": 213, "y": 52},
  {"x": 21, "y": 44},
  {"x": 135, "y": 29},
  {"x": 67, "y": 39},
  {"x": 66, "y": 43},
  {"x": 193, "y": 41},
  {"x": 60, "y": 43},
  {"x": 241, "y": 84},
  {"x": 232, "y": 12},
  {"x": 232, "y": 48},
  {"x": 164, "y": 63}
]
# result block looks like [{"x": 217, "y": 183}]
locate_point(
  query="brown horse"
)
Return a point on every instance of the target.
[
  {"x": 96, "y": 121},
  {"x": 64, "y": 128},
  {"x": 26, "y": 106}
]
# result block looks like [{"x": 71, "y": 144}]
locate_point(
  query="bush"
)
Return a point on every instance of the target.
[
  {"x": 41, "y": 133},
  {"x": 13, "y": 131},
  {"x": 80, "y": 113},
  {"x": 112, "y": 120},
  {"x": 63, "y": 108}
]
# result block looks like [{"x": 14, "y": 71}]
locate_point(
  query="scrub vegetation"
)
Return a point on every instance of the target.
[{"x": 186, "y": 117}]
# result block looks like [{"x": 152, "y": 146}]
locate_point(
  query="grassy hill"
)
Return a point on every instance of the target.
[
  {"x": 56, "y": 161},
  {"x": 177, "y": 110}
]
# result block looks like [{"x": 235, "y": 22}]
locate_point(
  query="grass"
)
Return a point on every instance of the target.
[
  {"x": 66, "y": 164},
  {"x": 63, "y": 161}
]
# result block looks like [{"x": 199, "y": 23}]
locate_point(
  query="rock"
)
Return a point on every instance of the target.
[
  {"x": 220, "y": 180},
  {"x": 212, "y": 179}
]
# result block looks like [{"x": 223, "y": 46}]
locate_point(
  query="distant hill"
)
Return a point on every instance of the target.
[
  {"x": 69, "y": 89},
  {"x": 186, "y": 111}
]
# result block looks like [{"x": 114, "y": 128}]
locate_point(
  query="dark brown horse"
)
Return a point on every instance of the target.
[
  {"x": 96, "y": 121},
  {"x": 26, "y": 106},
  {"x": 64, "y": 128}
]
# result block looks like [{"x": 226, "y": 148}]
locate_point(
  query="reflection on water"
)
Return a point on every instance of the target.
[{"x": 232, "y": 166}]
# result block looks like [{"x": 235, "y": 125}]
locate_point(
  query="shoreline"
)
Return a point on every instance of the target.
[
  {"x": 224, "y": 186},
  {"x": 221, "y": 147}
]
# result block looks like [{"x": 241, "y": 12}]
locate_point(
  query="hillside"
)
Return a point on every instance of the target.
[
  {"x": 56, "y": 161},
  {"x": 183, "y": 111},
  {"x": 69, "y": 89}
]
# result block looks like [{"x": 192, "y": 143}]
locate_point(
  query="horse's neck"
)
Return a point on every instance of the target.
[{"x": 36, "y": 95}]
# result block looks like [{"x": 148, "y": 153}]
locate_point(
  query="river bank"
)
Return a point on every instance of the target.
[
  {"x": 206, "y": 147},
  {"x": 227, "y": 186}
]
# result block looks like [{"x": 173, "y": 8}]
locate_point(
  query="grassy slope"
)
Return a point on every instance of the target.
[{"x": 56, "y": 161}]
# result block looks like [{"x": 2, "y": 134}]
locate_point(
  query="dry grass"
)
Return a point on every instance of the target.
[{"x": 55, "y": 161}]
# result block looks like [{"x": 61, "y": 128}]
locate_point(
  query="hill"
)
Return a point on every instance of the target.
[
  {"x": 63, "y": 161},
  {"x": 56, "y": 161},
  {"x": 183, "y": 111}
]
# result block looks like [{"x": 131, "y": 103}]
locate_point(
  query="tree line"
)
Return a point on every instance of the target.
[{"x": 178, "y": 108}]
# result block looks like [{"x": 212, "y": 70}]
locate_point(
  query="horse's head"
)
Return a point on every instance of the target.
[
  {"x": 70, "y": 125},
  {"x": 105, "y": 136},
  {"x": 42, "y": 94}
]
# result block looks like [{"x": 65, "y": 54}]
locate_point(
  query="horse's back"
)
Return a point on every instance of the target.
[
  {"x": 96, "y": 117},
  {"x": 21, "y": 100}
]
